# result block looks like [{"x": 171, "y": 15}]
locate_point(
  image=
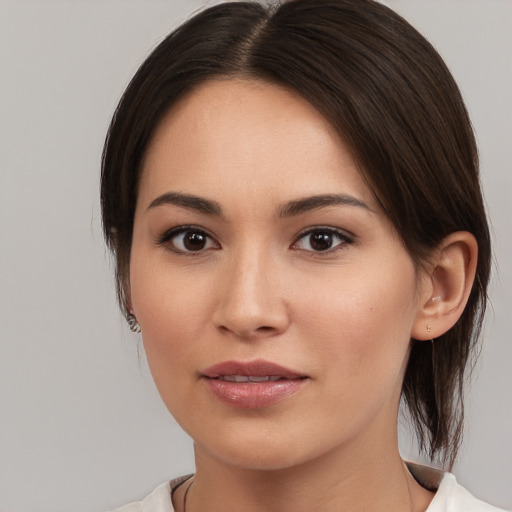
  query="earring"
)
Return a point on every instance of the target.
[{"x": 133, "y": 324}]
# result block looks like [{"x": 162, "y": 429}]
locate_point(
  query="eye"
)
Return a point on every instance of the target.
[
  {"x": 321, "y": 240},
  {"x": 187, "y": 240}
]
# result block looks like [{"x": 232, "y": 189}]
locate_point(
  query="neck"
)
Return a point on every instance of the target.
[{"x": 337, "y": 481}]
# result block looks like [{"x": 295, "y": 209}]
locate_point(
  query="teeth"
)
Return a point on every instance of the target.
[
  {"x": 259, "y": 379},
  {"x": 235, "y": 378},
  {"x": 249, "y": 378}
]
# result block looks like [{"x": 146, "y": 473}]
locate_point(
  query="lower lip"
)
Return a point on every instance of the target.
[{"x": 254, "y": 395}]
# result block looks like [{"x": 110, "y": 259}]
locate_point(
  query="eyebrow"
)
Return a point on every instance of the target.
[
  {"x": 317, "y": 202},
  {"x": 290, "y": 209},
  {"x": 199, "y": 204}
]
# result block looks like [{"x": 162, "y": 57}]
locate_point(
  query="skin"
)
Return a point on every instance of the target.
[{"x": 258, "y": 290}]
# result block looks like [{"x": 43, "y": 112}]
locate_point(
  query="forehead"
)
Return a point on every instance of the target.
[{"x": 248, "y": 135}]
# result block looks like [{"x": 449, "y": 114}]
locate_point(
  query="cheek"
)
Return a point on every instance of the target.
[
  {"x": 360, "y": 334},
  {"x": 360, "y": 319},
  {"x": 171, "y": 309},
  {"x": 172, "y": 315}
]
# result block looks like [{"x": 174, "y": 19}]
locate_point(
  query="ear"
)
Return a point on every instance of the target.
[{"x": 446, "y": 287}]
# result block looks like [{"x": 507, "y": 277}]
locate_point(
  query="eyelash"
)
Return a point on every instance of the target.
[
  {"x": 342, "y": 237},
  {"x": 181, "y": 230}
]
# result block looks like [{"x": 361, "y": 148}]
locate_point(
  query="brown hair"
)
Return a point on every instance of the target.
[{"x": 393, "y": 101}]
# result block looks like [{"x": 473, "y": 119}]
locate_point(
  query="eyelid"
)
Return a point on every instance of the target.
[
  {"x": 346, "y": 238},
  {"x": 163, "y": 239}
]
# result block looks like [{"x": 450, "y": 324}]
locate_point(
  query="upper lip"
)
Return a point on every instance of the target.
[{"x": 256, "y": 368}]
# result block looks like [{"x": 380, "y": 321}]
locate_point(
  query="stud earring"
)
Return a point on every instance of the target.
[{"x": 133, "y": 324}]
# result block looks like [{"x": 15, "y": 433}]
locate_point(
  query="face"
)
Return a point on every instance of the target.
[{"x": 276, "y": 301}]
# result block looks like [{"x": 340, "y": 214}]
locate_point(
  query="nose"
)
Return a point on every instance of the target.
[{"x": 251, "y": 304}]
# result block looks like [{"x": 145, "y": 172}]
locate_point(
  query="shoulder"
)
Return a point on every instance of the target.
[
  {"x": 453, "y": 497},
  {"x": 157, "y": 501},
  {"x": 449, "y": 496}
]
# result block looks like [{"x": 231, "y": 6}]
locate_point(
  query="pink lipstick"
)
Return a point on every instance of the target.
[{"x": 253, "y": 384}]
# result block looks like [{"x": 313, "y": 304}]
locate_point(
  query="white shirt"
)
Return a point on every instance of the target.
[{"x": 449, "y": 497}]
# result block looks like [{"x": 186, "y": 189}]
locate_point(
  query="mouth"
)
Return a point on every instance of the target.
[
  {"x": 252, "y": 385},
  {"x": 250, "y": 378},
  {"x": 258, "y": 370}
]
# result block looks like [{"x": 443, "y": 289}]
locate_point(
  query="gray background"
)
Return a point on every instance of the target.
[{"x": 81, "y": 426}]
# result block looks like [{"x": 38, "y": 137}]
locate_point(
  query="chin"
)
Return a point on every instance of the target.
[
  {"x": 258, "y": 449},
  {"x": 255, "y": 458}
]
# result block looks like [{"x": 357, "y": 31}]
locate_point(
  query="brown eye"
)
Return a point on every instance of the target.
[
  {"x": 194, "y": 241},
  {"x": 187, "y": 240},
  {"x": 321, "y": 240}
]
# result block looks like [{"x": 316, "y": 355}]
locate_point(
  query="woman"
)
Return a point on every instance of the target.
[{"x": 291, "y": 194}]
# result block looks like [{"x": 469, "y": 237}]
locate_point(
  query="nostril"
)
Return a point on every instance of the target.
[
  {"x": 252, "y": 320},
  {"x": 264, "y": 328}
]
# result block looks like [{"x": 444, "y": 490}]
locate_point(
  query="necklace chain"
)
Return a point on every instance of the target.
[{"x": 185, "y": 496}]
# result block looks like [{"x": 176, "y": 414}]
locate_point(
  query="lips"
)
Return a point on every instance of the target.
[
  {"x": 257, "y": 368},
  {"x": 252, "y": 385}
]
